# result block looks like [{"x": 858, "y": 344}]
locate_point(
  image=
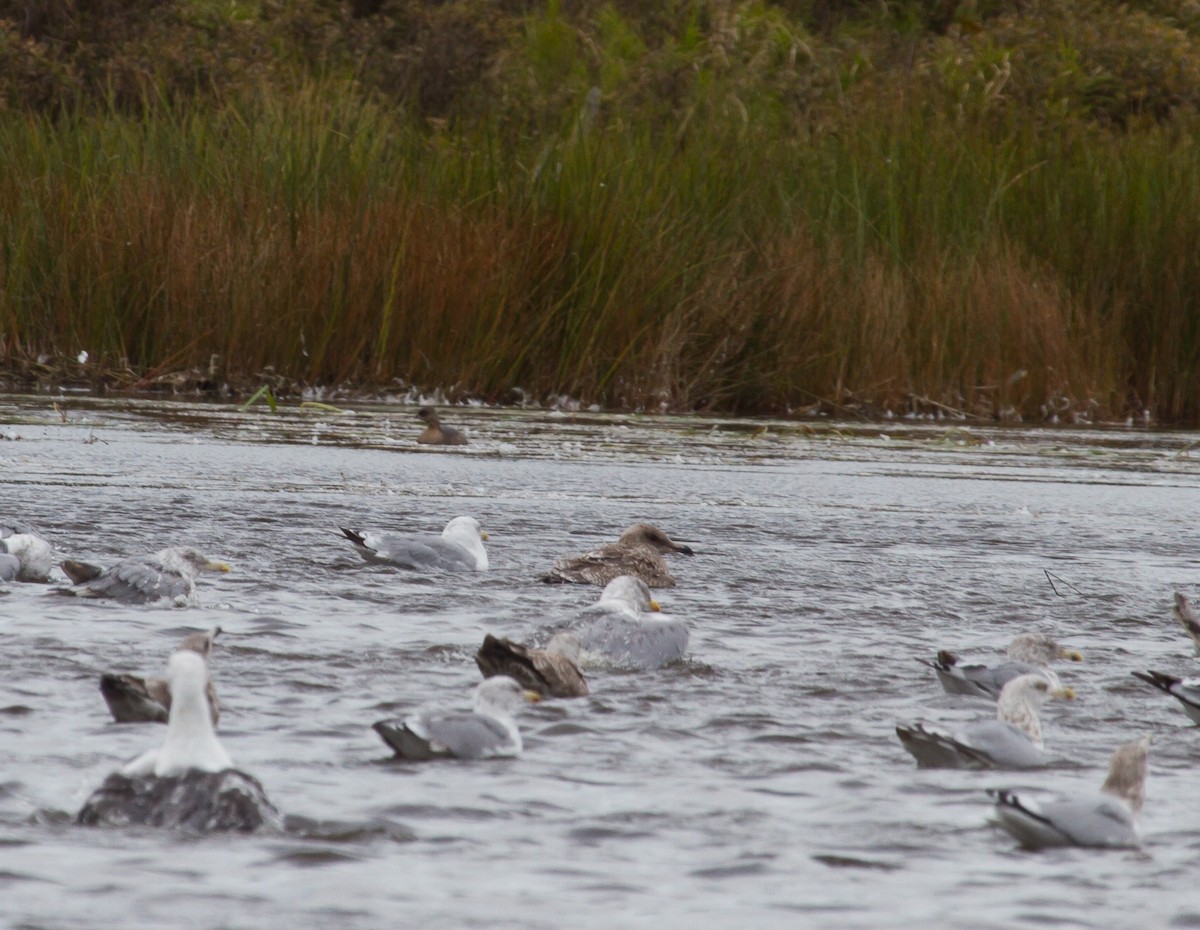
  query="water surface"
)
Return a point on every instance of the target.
[{"x": 758, "y": 783}]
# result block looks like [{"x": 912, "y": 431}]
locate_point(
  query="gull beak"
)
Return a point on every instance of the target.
[
  {"x": 1073, "y": 654},
  {"x": 531, "y": 696},
  {"x": 214, "y": 566},
  {"x": 655, "y": 605},
  {"x": 1067, "y": 694},
  {"x": 483, "y": 535}
]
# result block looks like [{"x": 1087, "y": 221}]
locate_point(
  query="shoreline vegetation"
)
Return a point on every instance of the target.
[{"x": 984, "y": 209}]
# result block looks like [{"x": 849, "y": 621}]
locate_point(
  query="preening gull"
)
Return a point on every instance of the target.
[
  {"x": 1185, "y": 690},
  {"x": 486, "y": 732},
  {"x": 1108, "y": 819},
  {"x": 435, "y": 434},
  {"x": 637, "y": 552},
  {"x": 168, "y": 574},
  {"x": 189, "y": 782},
  {"x": 1029, "y": 652},
  {"x": 620, "y": 630},
  {"x": 550, "y": 671},
  {"x": 1188, "y": 620},
  {"x": 458, "y": 549},
  {"x": 131, "y": 699},
  {"x": 25, "y": 555},
  {"x": 1012, "y": 741}
]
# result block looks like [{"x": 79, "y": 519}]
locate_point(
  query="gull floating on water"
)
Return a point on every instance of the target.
[
  {"x": 458, "y": 549},
  {"x": 189, "y": 782},
  {"x": 168, "y": 574},
  {"x": 1012, "y": 741},
  {"x": 1107, "y": 820},
  {"x": 25, "y": 554},
  {"x": 621, "y": 628},
  {"x": 1185, "y": 690},
  {"x": 1188, "y": 620},
  {"x": 131, "y": 699},
  {"x": 435, "y": 434},
  {"x": 1027, "y": 653},
  {"x": 550, "y": 671},
  {"x": 486, "y": 732},
  {"x": 638, "y": 551}
]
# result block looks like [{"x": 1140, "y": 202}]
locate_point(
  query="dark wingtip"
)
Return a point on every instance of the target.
[
  {"x": 685, "y": 550},
  {"x": 1158, "y": 679},
  {"x": 354, "y": 537}
]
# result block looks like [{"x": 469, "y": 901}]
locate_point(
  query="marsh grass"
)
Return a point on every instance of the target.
[{"x": 676, "y": 239}]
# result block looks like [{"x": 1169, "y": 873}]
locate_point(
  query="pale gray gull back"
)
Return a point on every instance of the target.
[
  {"x": 189, "y": 782},
  {"x": 638, "y": 552},
  {"x": 1107, "y": 819},
  {"x": 1012, "y": 741},
  {"x": 458, "y": 549},
  {"x": 168, "y": 574},
  {"x": 488, "y": 731},
  {"x": 622, "y": 629},
  {"x": 1027, "y": 653}
]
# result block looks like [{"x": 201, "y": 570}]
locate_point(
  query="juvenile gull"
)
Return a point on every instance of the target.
[
  {"x": 435, "y": 434},
  {"x": 620, "y": 629},
  {"x": 458, "y": 549},
  {"x": 1185, "y": 690},
  {"x": 550, "y": 671},
  {"x": 1188, "y": 620},
  {"x": 486, "y": 732},
  {"x": 1107, "y": 819},
  {"x": 638, "y": 551},
  {"x": 168, "y": 574},
  {"x": 131, "y": 699},
  {"x": 1012, "y": 741},
  {"x": 1029, "y": 652},
  {"x": 25, "y": 554},
  {"x": 189, "y": 783}
]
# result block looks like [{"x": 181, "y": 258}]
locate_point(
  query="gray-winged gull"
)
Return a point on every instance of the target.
[
  {"x": 459, "y": 548},
  {"x": 1188, "y": 620},
  {"x": 1107, "y": 819},
  {"x": 25, "y": 554},
  {"x": 168, "y": 574},
  {"x": 1185, "y": 690},
  {"x": 1012, "y": 741},
  {"x": 486, "y": 732},
  {"x": 131, "y": 699},
  {"x": 1029, "y": 652},
  {"x": 621, "y": 629},
  {"x": 189, "y": 782},
  {"x": 638, "y": 552},
  {"x": 549, "y": 671},
  {"x": 435, "y": 434}
]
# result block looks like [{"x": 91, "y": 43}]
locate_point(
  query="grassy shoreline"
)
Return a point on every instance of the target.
[{"x": 743, "y": 216}]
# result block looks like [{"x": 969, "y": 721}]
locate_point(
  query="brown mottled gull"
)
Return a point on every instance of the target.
[
  {"x": 486, "y": 732},
  {"x": 638, "y": 552},
  {"x": 550, "y": 671},
  {"x": 1027, "y": 653},
  {"x": 1188, "y": 620},
  {"x": 131, "y": 699},
  {"x": 1012, "y": 741},
  {"x": 168, "y": 574},
  {"x": 434, "y": 433},
  {"x": 1106, "y": 820}
]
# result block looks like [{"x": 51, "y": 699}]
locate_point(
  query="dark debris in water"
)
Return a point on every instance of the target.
[{"x": 851, "y": 862}]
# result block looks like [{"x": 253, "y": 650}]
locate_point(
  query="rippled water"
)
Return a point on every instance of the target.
[{"x": 758, "y": 784}]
